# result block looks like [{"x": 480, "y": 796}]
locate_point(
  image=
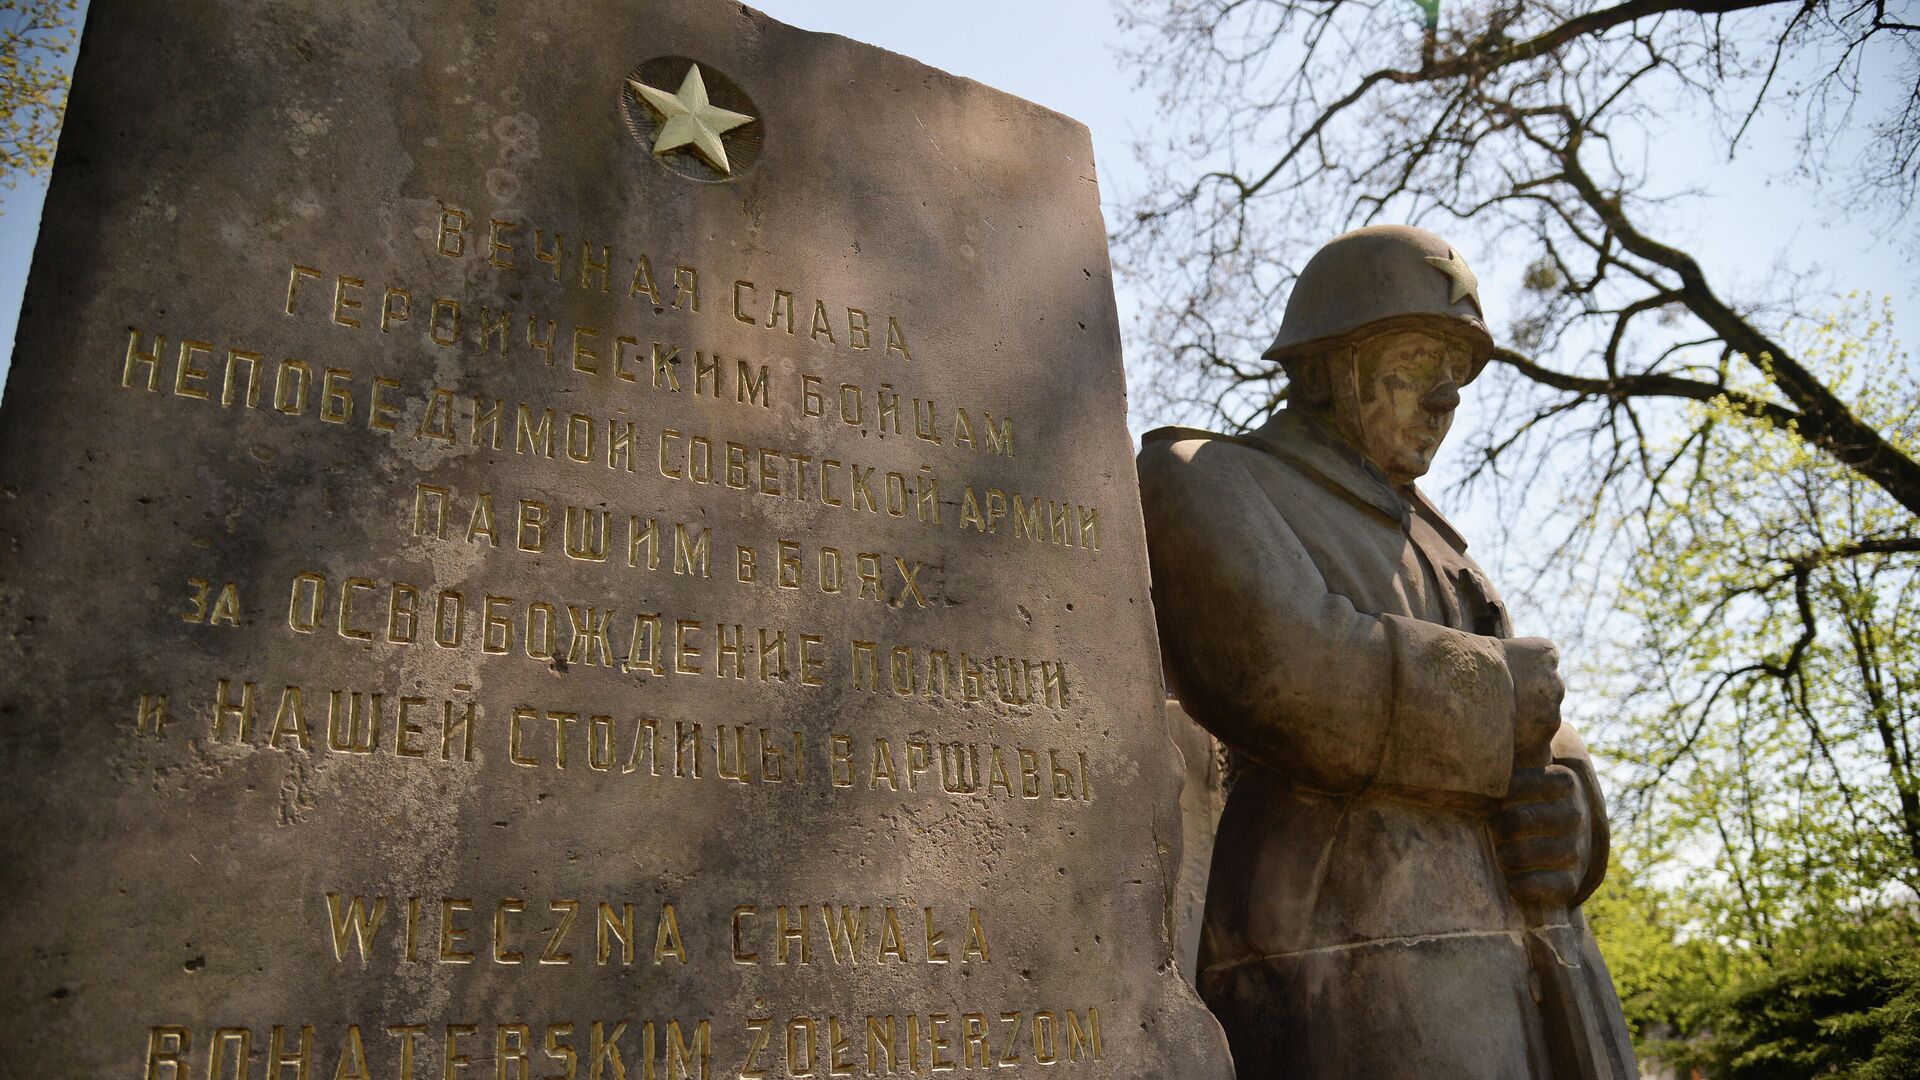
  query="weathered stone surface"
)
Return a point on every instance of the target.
[
  {"x": 1202, "y": 799},
  {"x": 628, "y": 708},
  {"x": 1395, "y": 887}
]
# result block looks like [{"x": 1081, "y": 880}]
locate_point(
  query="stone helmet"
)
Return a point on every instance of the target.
[{"x": 1379, "y": 279}]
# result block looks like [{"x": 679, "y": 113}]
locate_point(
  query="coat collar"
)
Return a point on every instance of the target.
[{"x": 1303, "y": 443}]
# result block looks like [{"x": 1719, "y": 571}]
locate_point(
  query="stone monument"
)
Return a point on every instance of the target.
[
  {"x": 1396, "y": 883},
  {"x": 581, "y": 541}
]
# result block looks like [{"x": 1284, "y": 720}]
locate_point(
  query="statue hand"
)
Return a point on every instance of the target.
[
  {"x": 1543, "y": 837},
  {"x": 1534, "y": 664}
]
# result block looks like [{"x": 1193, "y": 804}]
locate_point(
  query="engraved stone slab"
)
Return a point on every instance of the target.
[{"x": 589, "y": 540}]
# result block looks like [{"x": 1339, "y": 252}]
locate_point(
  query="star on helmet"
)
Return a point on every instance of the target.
[
  {"x": 1378, "y": 278},
  {"x": 1465, "y": 285}
]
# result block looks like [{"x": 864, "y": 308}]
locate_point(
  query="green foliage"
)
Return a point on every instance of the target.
[
  {"x": 1774, "y": 602},
  {"x": 1667, "y": 979},
  {"x": 1766, "y": 671},
  {"x": 1839, "y": 1001},
  {"x": 1896, "y": 1053},
  {"x": 34, "y": 34},
  {"x": 1845, "y": 1010}
]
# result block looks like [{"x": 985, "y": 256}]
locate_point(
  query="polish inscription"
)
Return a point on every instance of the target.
[{"x": 873, "y": 1044}]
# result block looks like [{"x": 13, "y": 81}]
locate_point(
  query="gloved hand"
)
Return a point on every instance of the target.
[
  {"x": 1534, "y": 664},
  {"x": 1543, "y": 837}
]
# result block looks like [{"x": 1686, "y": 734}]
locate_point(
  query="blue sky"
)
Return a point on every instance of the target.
[{"x": 1061, "y": 53}]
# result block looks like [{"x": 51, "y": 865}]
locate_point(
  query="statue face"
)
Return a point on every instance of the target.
[{"x": 1408, "y": 386}]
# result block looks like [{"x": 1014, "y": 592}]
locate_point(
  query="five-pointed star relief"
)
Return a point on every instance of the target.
[
  {"x": 1456, "y": 270},
  {"x": 1464, "y": 283},
  {"x": 688, "y": 119}
]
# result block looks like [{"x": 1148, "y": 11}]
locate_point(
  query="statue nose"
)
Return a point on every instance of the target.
[{"x": 1442, "y": 399}]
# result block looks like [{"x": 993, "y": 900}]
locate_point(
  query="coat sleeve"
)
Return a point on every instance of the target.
[{"x": 1288, "y": 672}]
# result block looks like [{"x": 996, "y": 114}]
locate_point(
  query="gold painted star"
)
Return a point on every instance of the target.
[
  {"x": 1464, "y": 283},
  {"x": 688, "y": 119}
]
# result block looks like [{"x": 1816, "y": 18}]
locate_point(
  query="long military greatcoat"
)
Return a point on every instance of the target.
[{"x": 1334, "y": 634}]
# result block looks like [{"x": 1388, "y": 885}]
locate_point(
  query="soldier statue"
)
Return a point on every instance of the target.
[{"x": 1411, "y": 829}]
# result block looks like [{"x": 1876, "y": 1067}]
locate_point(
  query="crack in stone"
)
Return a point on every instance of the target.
[{"x": 1518, "y": 937}]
